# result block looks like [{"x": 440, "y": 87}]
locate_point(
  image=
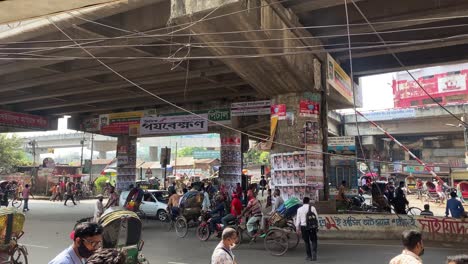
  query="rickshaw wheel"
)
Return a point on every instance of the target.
[
  {"x": 19, "y": 256},
  {"x": 203, "y": 232},
  {"x": 293, "y": 237},
  {"x": 276, "y": 242},
  {"x": 181, "y": 227},
  {"x": 413, "y": 211}
]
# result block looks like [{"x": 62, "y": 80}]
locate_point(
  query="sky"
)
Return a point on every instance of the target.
[{"x": 377, "y": 91}]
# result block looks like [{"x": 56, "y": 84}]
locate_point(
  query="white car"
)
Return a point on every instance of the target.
[{"x": 154, "y": 203}]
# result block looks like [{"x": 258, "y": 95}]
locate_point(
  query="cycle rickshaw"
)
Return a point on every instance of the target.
[
  {"x": 122, "y": 230},
  {"x": 189, "y": 212},
  {"x": 8, "y": 194},
  {"x": 11, "y": 230}
]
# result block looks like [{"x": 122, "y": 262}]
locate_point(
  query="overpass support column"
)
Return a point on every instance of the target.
[
  {"x": 297, "y": 160},
  {"x": 231, "y": 158},
  {"x": 126, "y": 162},
  {"x": 153, "y": 153},
  {"x": 102, "y": 155}
]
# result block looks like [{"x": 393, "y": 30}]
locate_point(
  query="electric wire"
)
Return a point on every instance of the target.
[
  {"x": 130, "y": 36},
  {"x": 217, "y": 123},
  {"x": 404, "y": 66}
]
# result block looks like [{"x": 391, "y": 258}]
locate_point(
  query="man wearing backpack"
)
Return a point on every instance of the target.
[{"x": 307, "y": 225}]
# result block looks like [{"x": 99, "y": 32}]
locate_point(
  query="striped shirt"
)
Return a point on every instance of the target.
[{"x": 254, "y": 207}]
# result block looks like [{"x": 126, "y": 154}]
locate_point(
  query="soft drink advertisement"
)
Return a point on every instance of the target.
[{"x": 309, "y": 108}]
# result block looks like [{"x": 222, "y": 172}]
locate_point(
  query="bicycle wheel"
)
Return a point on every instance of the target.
[
  {"x": 16, "y": 203},
  {"x": 413, "y": 211},
  {"x": 181, "y": 227},
  {"x": 276, "y": 242},
  {"x": 293, "y": 237},
  {"x": 203, "y": 232},
  {"x": 19, "y": 256}
]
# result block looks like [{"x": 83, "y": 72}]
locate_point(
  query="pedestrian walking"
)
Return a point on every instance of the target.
[
  {"x": 458, "y": 259},
  {"x": 113, "y": 199},
  {"x": 87, "y": 239},
  {"x": 455, "y": 207},
  {"x": 400, "y": 202},
  {"x": 98, "y": 208},
  {"x": 223, "y": 251},
  {"x": 263, "y": 184},
  {"x": 413, "y": 248},
  {"x": 26, "y": 193},
  {"x": 307, "y": 226},
  {"x": 69, "y": 193},
  {"x": 107, "y": 256}
]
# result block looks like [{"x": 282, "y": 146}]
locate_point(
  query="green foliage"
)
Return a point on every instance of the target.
[
  {"x": 100, "y": 183},
  {"x": 256, "y": 157},
  {"x": 188, "y": 151},
  {"x": 11, "y": 154}
]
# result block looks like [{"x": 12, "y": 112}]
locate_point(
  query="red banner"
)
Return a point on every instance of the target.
[
  {"x": 309, "y": 108},
  {"x": 13, "y": 119},
  {"x": 279, "y": 110}
]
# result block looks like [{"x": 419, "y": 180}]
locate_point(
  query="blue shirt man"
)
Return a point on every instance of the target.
[{"x": 455, "y": 207}]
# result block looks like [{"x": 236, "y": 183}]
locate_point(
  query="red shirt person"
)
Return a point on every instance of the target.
[{"x": 236, "y": 210}]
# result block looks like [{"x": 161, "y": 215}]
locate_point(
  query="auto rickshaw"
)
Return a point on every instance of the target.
[
  {"x": 11, "y": 230},
  {"x": 462, "y": 188},
  {"x": 122, "y": 230}
]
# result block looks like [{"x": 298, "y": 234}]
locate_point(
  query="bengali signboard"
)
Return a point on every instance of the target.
[
  {"x": 339, "y": 79},
  {"x": 174, "y": 124},
  {"x": 251, "y": 108},
  {"x": 120, "y": 123},
  {"x": 389, "y": 114},
  {"x": 206, "y": 154},
  {"x": 342, "y": 144},
  {"x": 21, "y": 120},
  {"x": 309, "y": 108},
  {"x": 220, "y": 116}
]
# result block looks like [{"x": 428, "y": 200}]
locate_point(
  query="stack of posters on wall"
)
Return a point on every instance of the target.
[
  {"x": 231, "y": 159},
  {"x": 126, "y": 162},
  {"x": 297, "y": 174}
]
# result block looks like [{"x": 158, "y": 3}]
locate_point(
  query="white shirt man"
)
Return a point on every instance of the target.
[{"x": 309, "y": 236}]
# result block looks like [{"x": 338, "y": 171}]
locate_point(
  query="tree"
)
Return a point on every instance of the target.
[
  {"x": 188, "y": 151},
  {"x": 11, "y": 154},
  {"x": 256, "y": 157}
]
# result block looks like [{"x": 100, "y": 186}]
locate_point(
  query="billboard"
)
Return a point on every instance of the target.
[{"x": 447, "y": 84}]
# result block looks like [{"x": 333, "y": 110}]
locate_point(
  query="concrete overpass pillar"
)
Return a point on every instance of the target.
[
  {"x": 102, "y": 155},
  {"x": 298, "y": 163},
  {"x": 153, "y": 153},
  {"x": 126, "y": 162},
  {"x": 231, "y": 158}
]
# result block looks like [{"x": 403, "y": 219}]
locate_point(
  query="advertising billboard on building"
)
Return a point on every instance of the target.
[{"x": 446, "y": 84}]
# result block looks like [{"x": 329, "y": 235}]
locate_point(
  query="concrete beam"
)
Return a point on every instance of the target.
[
  {"x": 163, "y": 78},
  {"x": 152, "y": 102},
  {"x": 115, "y": 97},
  {"x": 304, "y": 6},
  {"x": 286, "y": 73}
]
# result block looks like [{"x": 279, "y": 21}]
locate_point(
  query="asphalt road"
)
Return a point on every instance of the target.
[{"x": 48, "y": 226}]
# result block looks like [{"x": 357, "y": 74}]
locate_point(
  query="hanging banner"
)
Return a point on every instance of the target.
[
  {"x": 119, "y": 123},
  {"x": 342, "y": 145},
  {"x": 279, "y": 111},
  {"x": 251, "y": 108},
  {"x": 308, "y": 108},
  {"x": 339, "y": 79},
  {"x": 174, "y": 124},
  {"x": 21, "y": 120},
  {"x": 220, "y": 116},
  {"x": 90, "y": 125}
]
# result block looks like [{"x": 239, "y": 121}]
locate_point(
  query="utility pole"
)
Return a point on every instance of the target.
[
  {"x": 91, "y": 158},
  {"x": 82, "y": 147}
]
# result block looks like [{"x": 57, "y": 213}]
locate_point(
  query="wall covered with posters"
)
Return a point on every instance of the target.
[
  {"x": 126, "y": 162},
  {"x": 231, "y": 158}
]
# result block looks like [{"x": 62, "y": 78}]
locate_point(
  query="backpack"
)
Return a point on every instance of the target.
[{"x": 311, "y": 220}]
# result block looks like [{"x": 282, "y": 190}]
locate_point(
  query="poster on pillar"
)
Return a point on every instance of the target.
[
  {"x": 279, "y": 111},
  {"x": 126, "y": 162},
  {"x": 309, "y": 108},
  {"x": 295, "y": 175},
  {"x": 231, "y": 159}
]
